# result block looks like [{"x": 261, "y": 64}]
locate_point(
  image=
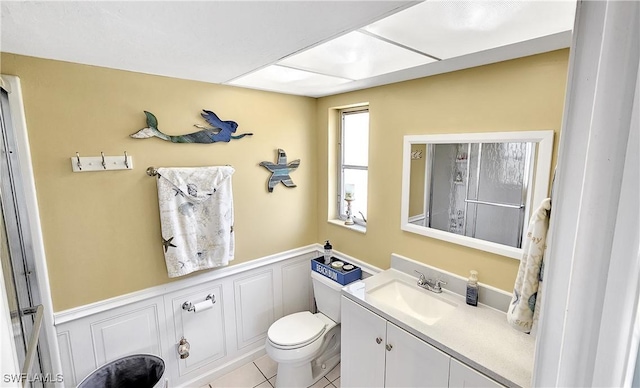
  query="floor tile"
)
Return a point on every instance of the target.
[
  {"x": 206, "y": 386},
  {"x": 264, "y": 384},
  {"x": 336, "y": 382},
  {"x": 247, "y": 375},
  {"x": 323, "y": 382},
  {"x": 267, "y": 366},
  {"x": 334, "y": 373}
]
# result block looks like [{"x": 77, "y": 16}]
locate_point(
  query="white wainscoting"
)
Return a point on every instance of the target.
[
  {"x": 91, "y": 341},
  {"x": 205, "y": 330},
  {"x": 295, "y": 288},
  {"x": 249, "y": 298},
  {"x": 133, "y": 332},
  {"x": 254, "y": 296},
  {"x": 66, "y": 355}
]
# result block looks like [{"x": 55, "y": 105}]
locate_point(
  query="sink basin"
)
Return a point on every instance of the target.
[{"x": 412, "y": 301}]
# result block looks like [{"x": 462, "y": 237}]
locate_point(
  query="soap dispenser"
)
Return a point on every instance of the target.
[
  {"x": 328, "y": 252},
  {"x": 472, "y": 289}
]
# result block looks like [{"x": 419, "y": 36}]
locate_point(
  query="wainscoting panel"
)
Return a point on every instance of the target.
[
  {"x": 93, "y": 340},
  {"x": 66, "y": 355},
  {"x": 134, "y": 332},
  {"x": 254, "y": 296},
  {"x": 204, "y": 330},
  {"x": 297, "y": 290}
]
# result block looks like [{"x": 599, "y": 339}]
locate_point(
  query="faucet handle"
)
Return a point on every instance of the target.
[
  {"x": 422, "y": 279},
  {"x": 439, "y": 283}
]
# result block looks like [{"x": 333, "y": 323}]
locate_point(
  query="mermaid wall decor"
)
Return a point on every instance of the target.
[{"x": 219, "y": 131}]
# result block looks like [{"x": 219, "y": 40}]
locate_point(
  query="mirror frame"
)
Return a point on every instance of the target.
[{"x": 542, "y": 172}]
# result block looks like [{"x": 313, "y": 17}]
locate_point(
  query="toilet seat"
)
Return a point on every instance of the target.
[{"x": 296, "y": 330}]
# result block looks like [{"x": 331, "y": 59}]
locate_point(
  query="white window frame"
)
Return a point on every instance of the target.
[{"x": 341, "y": 205}]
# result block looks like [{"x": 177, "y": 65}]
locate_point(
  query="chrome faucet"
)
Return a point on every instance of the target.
[{"x": 429, "y": 284}]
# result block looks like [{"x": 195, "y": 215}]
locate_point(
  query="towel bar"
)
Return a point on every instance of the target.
[{"x": 152, "y": 171}]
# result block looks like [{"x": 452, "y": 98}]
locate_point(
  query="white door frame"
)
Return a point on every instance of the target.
[
  {"x": 592, "y": 262},
  {"x": 12, "y": 85}
]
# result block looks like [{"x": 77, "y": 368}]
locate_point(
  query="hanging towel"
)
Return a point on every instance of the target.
[
  {"x": 196, "y": 218},
  {"x": 526, "y": 289}
]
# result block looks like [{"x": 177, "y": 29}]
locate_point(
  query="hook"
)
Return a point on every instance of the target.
[
  {"x": 104, "y": 164},
  {"x": 79, "y": 164},
  {"x": 126, "y": 161}
]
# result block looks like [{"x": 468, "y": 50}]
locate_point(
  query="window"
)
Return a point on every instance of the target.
[{"x": 353, "y": 163}]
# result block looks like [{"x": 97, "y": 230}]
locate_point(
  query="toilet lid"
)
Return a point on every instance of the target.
[{"x": 296, "y": 329}]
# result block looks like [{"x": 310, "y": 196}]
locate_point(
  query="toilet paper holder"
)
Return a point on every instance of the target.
[{"x": 190, "y": 307}]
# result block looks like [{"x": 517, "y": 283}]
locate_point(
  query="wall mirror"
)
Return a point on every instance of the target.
[{"x": 475, "y": 189}]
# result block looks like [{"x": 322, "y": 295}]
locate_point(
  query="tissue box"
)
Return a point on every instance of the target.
[{"x": 337, "y": 275}]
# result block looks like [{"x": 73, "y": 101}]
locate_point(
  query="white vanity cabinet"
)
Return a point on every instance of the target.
[
  {"x": 461, "y": 375},
  {"x": 362, "y": 354},
  {"x": 377, "y": 353},
  {"x": 412, "y": 362}
]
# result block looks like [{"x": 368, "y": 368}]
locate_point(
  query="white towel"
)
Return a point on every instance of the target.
[
  {"x": 526, "y": 289},
  {"x": 196, "y": 218}
]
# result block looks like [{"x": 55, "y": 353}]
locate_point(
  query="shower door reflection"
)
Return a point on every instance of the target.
[{"x": 478, "y": 190}]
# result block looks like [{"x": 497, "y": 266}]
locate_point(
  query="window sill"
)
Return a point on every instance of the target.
[{"x": 355, "y": 228}]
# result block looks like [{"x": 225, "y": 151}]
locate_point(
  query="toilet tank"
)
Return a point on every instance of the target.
[{"x": 327, "y": 294}]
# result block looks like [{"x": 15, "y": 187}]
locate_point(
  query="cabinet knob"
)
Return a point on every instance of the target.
[
  {"x": 389, "y": 347},
  {"x": 378, "y": 340}
]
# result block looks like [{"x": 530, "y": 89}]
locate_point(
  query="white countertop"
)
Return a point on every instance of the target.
[{"x": 477, "y": 336}]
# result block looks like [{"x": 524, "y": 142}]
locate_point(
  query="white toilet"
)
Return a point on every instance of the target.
[{"x": 306, "y": 346}]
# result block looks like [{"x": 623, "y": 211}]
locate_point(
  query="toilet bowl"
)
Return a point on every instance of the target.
[{"x": 306, "y": 346}]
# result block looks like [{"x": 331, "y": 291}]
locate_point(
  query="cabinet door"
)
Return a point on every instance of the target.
[
  {"x": 362, "y": 347},
  {"x": 461, "y": 375},
  {"x": 412, "y": 362}
]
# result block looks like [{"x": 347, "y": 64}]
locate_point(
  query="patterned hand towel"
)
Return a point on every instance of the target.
[
  {"x": 526, "y": 290},
  {"x": 196, "y": 218}
]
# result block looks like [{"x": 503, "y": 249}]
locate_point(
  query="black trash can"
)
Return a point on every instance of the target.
[{"x": 135, "y": 371}]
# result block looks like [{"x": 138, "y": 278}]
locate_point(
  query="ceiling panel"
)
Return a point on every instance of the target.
[
  {"x": 212, "y": 41},
  {"x": 287, "y": 80},
  {"x": 447, "y": 29},
  {"x": 355, "y": 56}
]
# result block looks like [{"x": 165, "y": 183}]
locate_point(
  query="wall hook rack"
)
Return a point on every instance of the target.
[{"x": 101, "y": 163}]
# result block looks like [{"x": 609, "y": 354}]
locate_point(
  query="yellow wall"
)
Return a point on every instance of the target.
[
  {"x": 101, "y": 230},
  {"x": 517, "y": 95}
]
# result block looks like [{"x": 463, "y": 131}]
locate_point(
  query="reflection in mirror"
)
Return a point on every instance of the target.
[{"x": 476, "y": 189}]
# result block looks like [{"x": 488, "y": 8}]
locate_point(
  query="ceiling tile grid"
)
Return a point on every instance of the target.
[{"x": 310, "y": 48}]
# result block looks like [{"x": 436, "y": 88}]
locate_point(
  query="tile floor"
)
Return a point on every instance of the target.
[{"x": 262, "y": 373}]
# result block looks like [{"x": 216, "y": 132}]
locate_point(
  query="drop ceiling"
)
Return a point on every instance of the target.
[{"x": 310, "y": 48}]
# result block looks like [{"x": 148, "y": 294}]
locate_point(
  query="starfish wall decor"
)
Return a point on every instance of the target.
[{"x": 280, "y": 171}]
